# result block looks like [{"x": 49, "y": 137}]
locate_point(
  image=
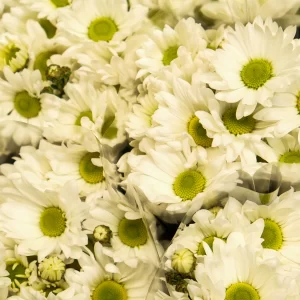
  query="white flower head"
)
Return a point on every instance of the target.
[
  {"x": 44, "y": 223},
  {"x": 258, "y": 68}
]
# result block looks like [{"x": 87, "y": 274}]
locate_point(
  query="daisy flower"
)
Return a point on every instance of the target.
[
  {"x": 22, "y": 98},
  {"x": 242, "y": 138},
  {"x": 165, "y": 45},
  {"x": 248, "y": 73},
  {"x": 47, "y": 8},
  {"x": 285, "y": 110},
  {"x": 101, "y": 279},
  {"x": 237, "y": 274},
  {"x": 175, "y": 117},
  {"x": 81, "y": 163},
  {"x": 281, "y": 225},
  {"x": 100, "y": 21},
  {"x": 44, "y": 222},
  {"x": 176, "y": 178},
  {"x": 122, "y": 231}
]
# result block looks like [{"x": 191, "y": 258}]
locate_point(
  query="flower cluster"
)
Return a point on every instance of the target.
[
  {"x": 238, "y": 251},
  {"x": 116, "y": 115}
]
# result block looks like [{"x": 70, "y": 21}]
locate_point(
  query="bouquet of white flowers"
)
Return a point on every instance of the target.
[{"x": 124, "y": 122}]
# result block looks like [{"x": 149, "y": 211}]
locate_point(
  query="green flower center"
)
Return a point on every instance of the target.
[
  {"x": 198, "y": 133},
  {"x": 103, "y": 234},
  {"x": 272, "y": 235},
  {"x": 17, "y": 274},
  {"x": 256, "y": 73},
  {"x": 102, "y": 29},
  {"x": 60, "y": 3},
  {"x": 189, "y": 184},
  {"x": 241, "y": 291},
  {"x": 84, "y": 114},
  {"x": 11, "y": 53},
  {"x": 88, "y": 171},
  {"x": 52, "y": 269},
  {"x": 132, "y": 233},
  {"x": 109, "y": 130},
  {"x": 291, "y": 157},
  {"x": 49, "y": 28},
  {"x": 235, "y": 126},
  {"x": 169, "y": 55},
  {"x": 109, "y": 290},
  {"x": 53, "y": 222},
  {"x": 209, "y": 241},
  {"x": 40, "y": 62},
  {"x": 27, "y": 106}
]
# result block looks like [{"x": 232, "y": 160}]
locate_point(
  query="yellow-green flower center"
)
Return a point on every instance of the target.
[
  {"x": 84, "y": 114},
  {"x": 189, "y": 184},
  {"x": 109, "y": 130},
  {"x": 183, "y": 261},
  {"x": 11, "y": 53},
  {"x": 272, "y": 235},
  {"x": 235, "y": 126},
  {"x": 26, "y": 105},
  {"x": 169, "y": 55},
  {"x": 198, "y": 133},
  {"x": 102, "y": 29},
  {"x": 60, "y": 3},
  {"x": 52, "y": 269},
  {"x": 53, "y": 222},
  {"x": 40, "y": 62},
  {"x": 241, "y": 291},
  {"x": 256, "y": 73},
  {"x": 291, "y": 157},
  {"x": 49, "y": 28},
  {"x": 88, "y": 171},
  {"x": 132, "y": 233},
  {"x": 109, "y": 290}
]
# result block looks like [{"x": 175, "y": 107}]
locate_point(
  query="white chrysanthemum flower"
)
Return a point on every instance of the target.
[
  {"x": 22, "y": 98},
  {"x": 175, "y": 117},
  {"x": 140, "y": 120},
  {"x": 285, "y": 110},
  {"x": 44, "y": 222},
  {"x": 47, "y": 8},
  {"x": 248, "y": 73},
  {"x": 246, "y": 11},
  {"x": 101, "y": 279},
  {"x": 174, "y": 295},
  {"x": 165, "y": 45},
  {"x": 13, "y": 52},
  {"x": 176, "y": 178},
  {"x": 32, "y": 165},
  {"x": 5, "y": 281},
  {"x": 100, "y": 21},
  {"x": 216, "y": 223},
  {"x": 242, "y": 138},
  {"x": 287, "y": 154},
  {"x": 122, "y": 231},
  {"x": 238, "y": 272},
  {"x": 281, "y": 225},
  {"x": 41, "y": 48},
  {"x": 81, "y": 163}
]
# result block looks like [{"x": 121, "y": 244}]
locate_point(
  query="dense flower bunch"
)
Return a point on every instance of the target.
[{"x": 116, "y": 115}]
